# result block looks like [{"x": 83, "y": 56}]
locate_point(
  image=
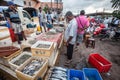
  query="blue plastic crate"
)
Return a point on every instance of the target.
[
  {"x": 92, "y": 74},
  {"x": 72, "y": 74}
]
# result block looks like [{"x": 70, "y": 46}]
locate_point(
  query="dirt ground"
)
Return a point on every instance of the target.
[{"x": 108, "y": 48}]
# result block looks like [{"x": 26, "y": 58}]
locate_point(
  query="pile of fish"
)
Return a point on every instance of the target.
[
  {"x": 33, "y": 67},
  {"x": 22, "y": 59},
  {"x": 43, "y": 46},
  {"x": 58, "y": 73}
]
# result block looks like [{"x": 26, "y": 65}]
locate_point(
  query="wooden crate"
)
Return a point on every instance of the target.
[
  {"x": 45, "y": 52},
  {"x": 39, "y": 74},
  {"x": 5, "y": 60},
  {"x": 16, "y": 57}
]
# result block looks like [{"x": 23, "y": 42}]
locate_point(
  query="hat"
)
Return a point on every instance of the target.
[{"x": 10, "y": 3}]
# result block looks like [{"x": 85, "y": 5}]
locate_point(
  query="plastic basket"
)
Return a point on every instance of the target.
[
  {"x": 75, "y": 74},
  {"x": 99, "y": 62},
  {"x": 92, "y": 74}
]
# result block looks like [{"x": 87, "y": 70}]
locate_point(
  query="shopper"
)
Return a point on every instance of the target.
[
  {"x": 42, "y": 18},
  {"x": 14, "y": 21},
  {"x": 70, "y": 35},
  {"x": 82, "y": 23}
]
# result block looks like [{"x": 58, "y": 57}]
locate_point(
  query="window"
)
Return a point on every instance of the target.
[
  {"x": 24, "y": 2},
  {"x": 29, "y": 3}
]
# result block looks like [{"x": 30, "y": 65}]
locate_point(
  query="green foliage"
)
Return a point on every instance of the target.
[
  {"x": 116, "y": 13},
  {"x": 46, "y": 8},
  {"x": 115, "y": 4}
]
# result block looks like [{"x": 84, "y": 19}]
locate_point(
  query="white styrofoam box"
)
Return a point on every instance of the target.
[
  {"x": 11, "y": 62},
  {"x": 6, "y": 42},
  {"x": 4, "y": 34},
  {"x": 3, "y": 28},
  {"x": 42, "y": 42}
]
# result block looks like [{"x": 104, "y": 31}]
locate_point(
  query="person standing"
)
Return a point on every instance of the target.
[
  {"x": 70, "y": 35},
  {"x": 42, "y": 18},
  {"x": 14, "y": 20},
  {"x": 82, "y": 23}
]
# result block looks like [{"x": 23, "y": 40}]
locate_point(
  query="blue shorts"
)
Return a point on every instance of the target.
[{"x": 79, "y": 38}]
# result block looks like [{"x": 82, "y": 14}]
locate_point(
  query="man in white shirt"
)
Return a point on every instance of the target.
[
  {"x": 42, "y": 18},
  {"x": 70, "y": 35}
]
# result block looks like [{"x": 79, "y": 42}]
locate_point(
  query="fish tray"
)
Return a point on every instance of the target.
[
  {"x": 42, "y": 48},
  {"x": 38, "y": 74},
  {"x": 7, "y": 51},
  {"x": 92, "y": 74},
  {"x": 56, "y": 37},
  {"x": 5, "y": 59},
  {"x": 72, "y": 74},
  {"x": 17, "y": 59},
  {"x": 99, "y": 62}
]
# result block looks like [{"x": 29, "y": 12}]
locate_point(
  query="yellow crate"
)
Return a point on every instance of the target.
[
  {"x": 45, "y": 52},
  {"x": 39, "y": 74},
  {"x": 15, "y": 57}
]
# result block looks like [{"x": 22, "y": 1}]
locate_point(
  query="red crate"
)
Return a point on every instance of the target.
[{"x": 99, "y": 62}]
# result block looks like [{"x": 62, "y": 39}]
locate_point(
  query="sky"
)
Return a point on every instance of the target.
[{"x": 89, "y": 6}]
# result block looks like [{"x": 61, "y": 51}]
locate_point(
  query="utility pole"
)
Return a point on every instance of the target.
[
  {"x": 51, "y": 4},
  {"x": 57, "y": 4}
]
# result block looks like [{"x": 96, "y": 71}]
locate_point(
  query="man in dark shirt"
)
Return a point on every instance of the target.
[{"x": 14, "y": 20}]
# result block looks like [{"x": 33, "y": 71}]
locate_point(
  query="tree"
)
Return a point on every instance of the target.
[
  {"x": 116, "y": 13},
  {"x": 115, "y": 4}
]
